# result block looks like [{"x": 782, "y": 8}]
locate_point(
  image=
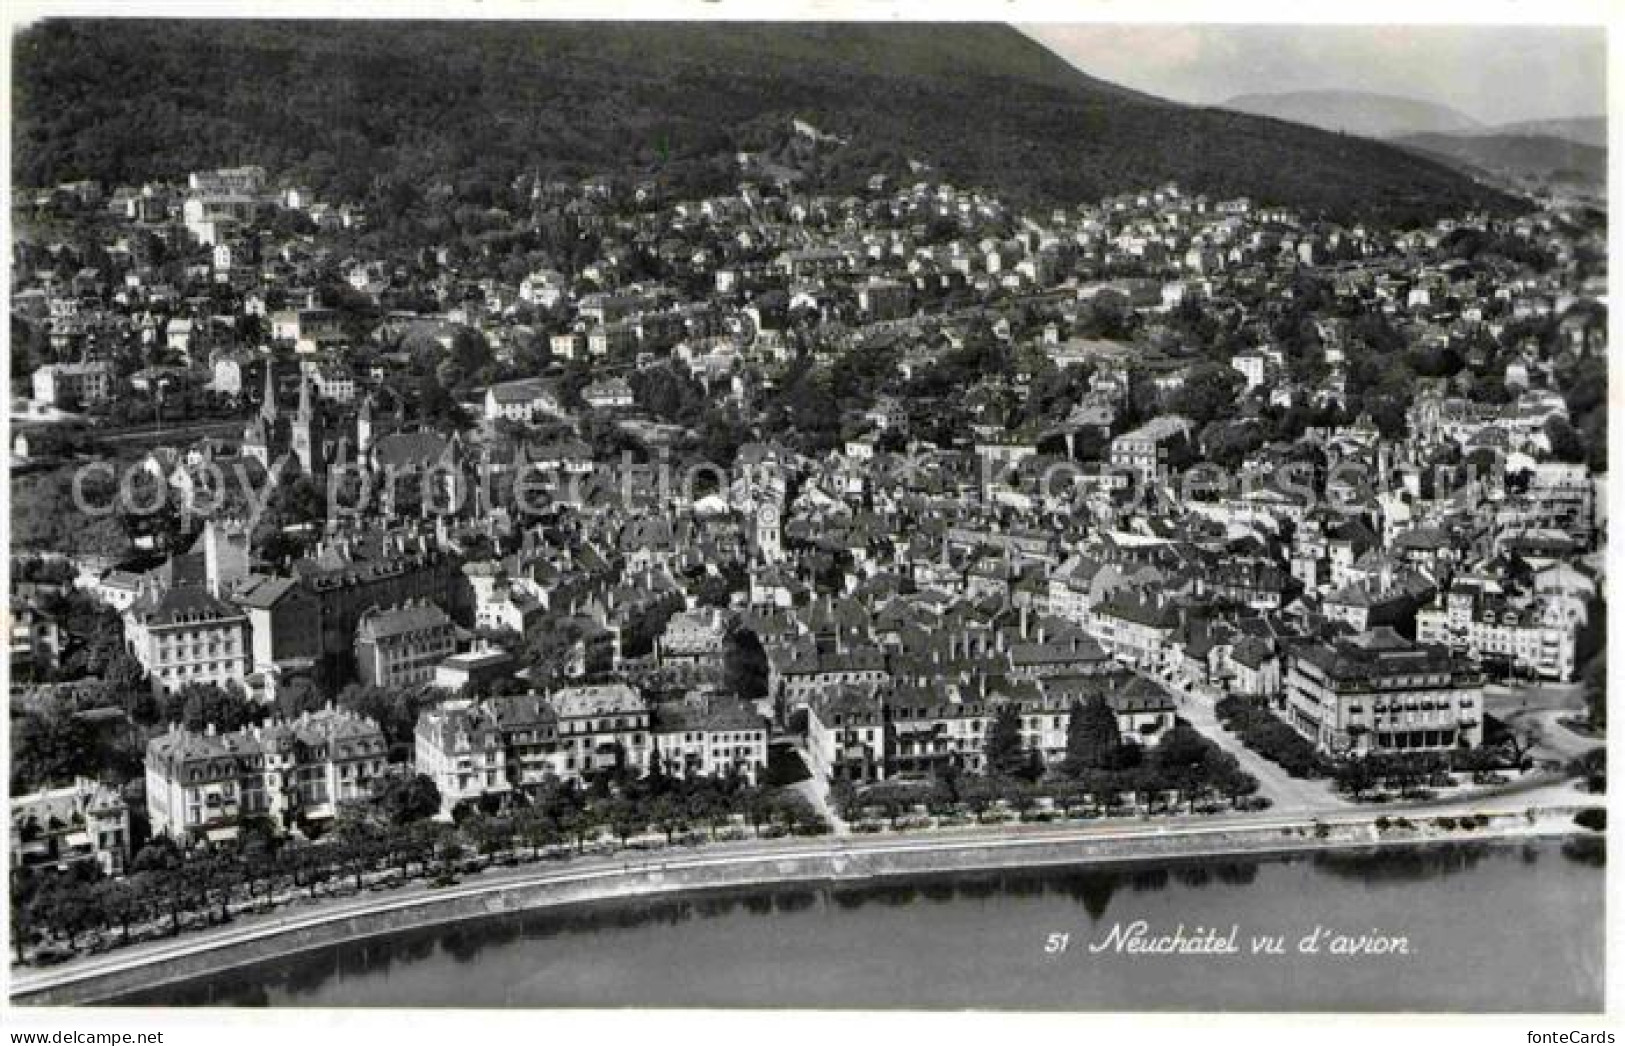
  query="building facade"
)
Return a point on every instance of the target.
[
  {"x": 74, "y": 384},
  {"x": 1380, "y": 693},
  {"x": 201, "y": 785},
  {"x": 86, "y": 822},
  {"x": 708, "y": 734},
  {"x": 401, "y": 646},
  {"x": 185, "y": 635}
]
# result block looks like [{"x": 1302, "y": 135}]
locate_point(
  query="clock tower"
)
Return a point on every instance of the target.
[{"x": 768, "y": 543}]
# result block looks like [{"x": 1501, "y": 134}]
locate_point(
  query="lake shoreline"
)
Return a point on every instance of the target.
[{"x": 251, "y": 941}]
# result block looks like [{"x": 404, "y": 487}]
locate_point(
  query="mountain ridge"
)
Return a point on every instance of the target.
[
  {"x": 1367, "y": 113},
  {"x": 1581, "y": 130},
  {"x": 1534, "y": 158}
]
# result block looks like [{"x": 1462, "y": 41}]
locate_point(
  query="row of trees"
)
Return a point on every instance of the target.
[
  {"x": 1099, "y": 767},
  {"x": 1403, "y": 772},
  {"x": 391, "y": 833},
  {"x": 1264, "y": 733}
]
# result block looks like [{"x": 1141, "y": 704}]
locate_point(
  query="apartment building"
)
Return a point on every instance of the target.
[
  {"x": 1144, "y": 449},
  {"x": 709, "y": 734},
  {"x": 86, "y": 822},
  {"x": 1523, "y": 635},
  {"x": 200, "y": 785},
  {"x": 846, "y": 734},
  {"x": 401, "y": 646},
  {"x": 602, "y": 727},
  {"x": 475, "y": 748}
]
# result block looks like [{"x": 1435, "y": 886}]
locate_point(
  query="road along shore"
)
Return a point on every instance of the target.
[{"x": 255, "y": 939}]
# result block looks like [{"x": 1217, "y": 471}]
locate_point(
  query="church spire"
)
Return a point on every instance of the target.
[
  {"x": 268, "y": 398},
  {"x": 363, "y": 427},
  {"x": 306, "y": 434}
]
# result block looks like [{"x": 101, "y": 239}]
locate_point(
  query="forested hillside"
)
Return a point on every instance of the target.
[{"x": 384, "y": 112}]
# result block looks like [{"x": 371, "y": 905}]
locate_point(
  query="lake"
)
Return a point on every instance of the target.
[{"x": 1474, "y": 927}]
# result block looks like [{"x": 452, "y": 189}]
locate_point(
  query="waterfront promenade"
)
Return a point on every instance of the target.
[{"x": 298, "y": 927}]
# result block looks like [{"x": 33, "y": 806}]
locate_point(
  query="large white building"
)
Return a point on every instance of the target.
[
  {"x": 1534, "y": 635},
  {"x": 68, "y": 385},
  {"x": 183, "y": 635},
  {"x": 1381, "y": 693},
  {"x": 693, "y": 637},
  {"x": 522, "y": 400}
]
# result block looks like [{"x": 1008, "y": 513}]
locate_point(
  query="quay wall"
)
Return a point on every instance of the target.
[{"x": 116, "y": 974}]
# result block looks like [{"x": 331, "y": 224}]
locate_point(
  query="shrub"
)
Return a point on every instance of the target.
[
  {"x": 1447, "y": 823},
  {"x": 1383, "y": 823},
  {"x": 1589, "y": 849},
  {"x": 1592, "y": 817}
]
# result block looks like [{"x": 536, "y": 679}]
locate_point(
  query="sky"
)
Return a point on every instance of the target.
[{"x": 1495, "y": 74}]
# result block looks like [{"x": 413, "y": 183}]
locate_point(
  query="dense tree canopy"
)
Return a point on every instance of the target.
[{"x": 429, "y": 125}]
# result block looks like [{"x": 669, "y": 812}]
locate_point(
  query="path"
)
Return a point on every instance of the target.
[
  {"x": 1290, "y": 795},
  {"x": 1556, "y": 740},
  {"x": 816, "y": 790}
]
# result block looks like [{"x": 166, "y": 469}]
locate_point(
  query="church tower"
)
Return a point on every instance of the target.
[
  {"x": 769, "y": 544},
  {"x": 307, "y": 432}
]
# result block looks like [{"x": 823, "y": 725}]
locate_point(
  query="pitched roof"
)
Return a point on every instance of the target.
[
  {"x": 400, "y": 620},
  {"x": 181, "y": 604}
]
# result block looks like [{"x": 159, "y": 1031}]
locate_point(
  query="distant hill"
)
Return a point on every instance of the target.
[
  {"x": 1520, "y": 159},
  {"x": 1356, "y": 112},
  {"x": 1583, "y": 130},
  {"x": 383, "y": 112}
]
